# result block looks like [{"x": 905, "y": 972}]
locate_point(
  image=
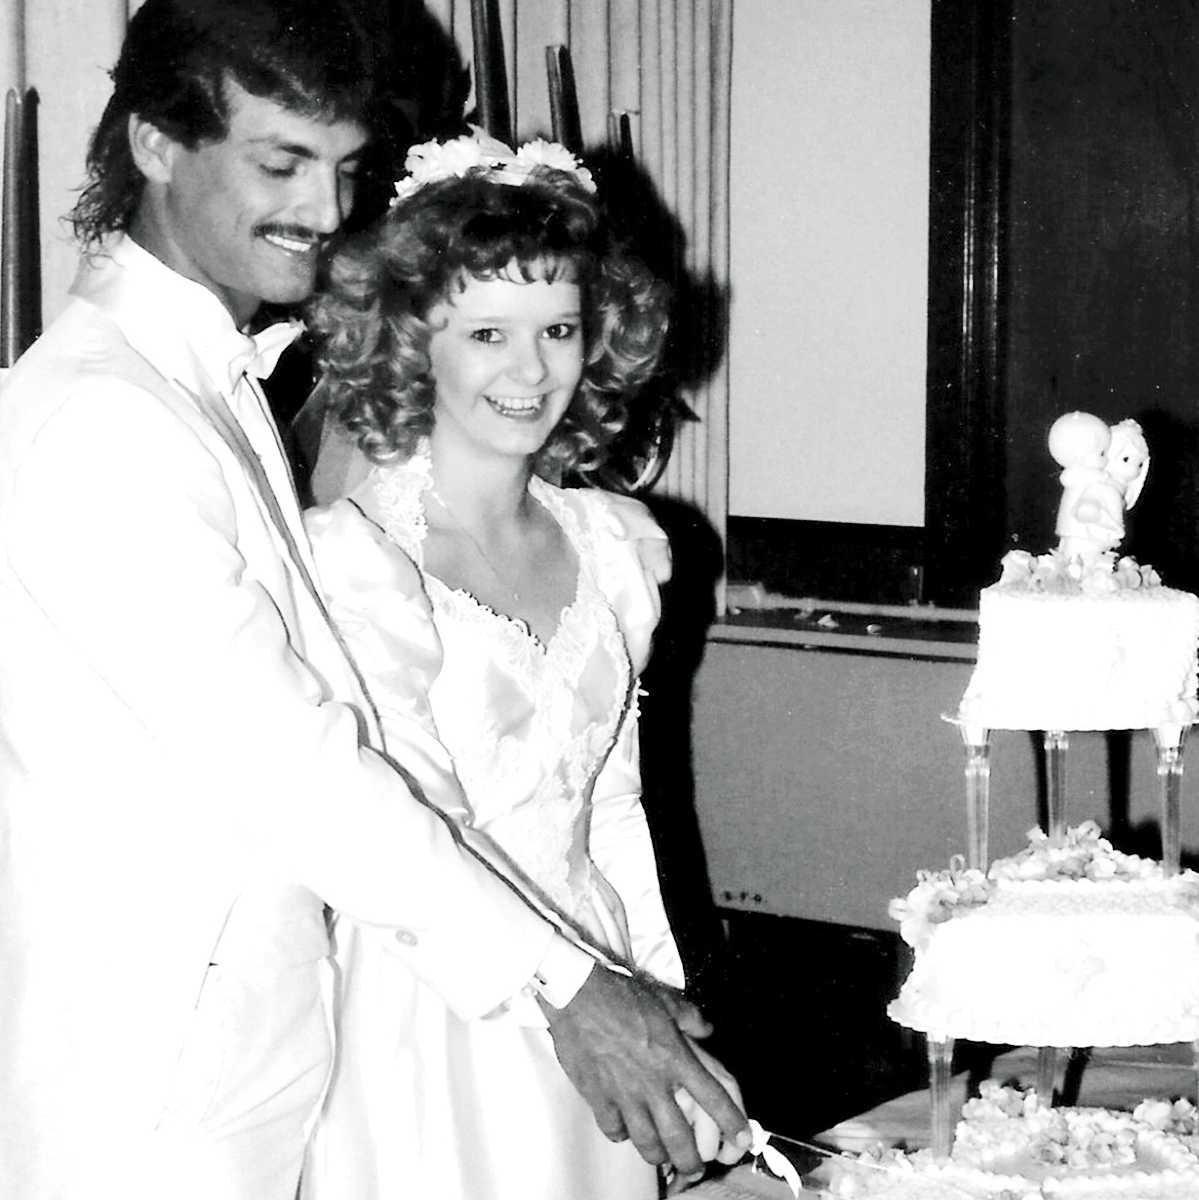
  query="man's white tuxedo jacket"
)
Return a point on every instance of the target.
[{"x": 181, "y": 735}]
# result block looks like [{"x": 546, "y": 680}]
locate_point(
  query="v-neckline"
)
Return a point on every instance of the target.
[
  {"x": 517, "y": 625},
  {"x": 403, "y": 518}
]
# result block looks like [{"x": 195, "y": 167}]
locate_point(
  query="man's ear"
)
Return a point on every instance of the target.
[{"x": 153, "y": 151}]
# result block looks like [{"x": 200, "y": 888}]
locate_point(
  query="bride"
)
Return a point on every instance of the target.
[{"x": 483, "y": 339}]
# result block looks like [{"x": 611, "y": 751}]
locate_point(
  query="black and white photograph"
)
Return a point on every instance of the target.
[{"x": 599, "y": 599}]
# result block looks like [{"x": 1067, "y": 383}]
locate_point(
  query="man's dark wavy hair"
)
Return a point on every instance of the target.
[
  {"x": 372, "y": 325},
  {"x": 309, "y": 56}
]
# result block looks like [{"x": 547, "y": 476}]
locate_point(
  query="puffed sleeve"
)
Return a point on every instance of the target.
[
  {"x": 378, "y": 603},
  {"x": 632, "y": 561}
]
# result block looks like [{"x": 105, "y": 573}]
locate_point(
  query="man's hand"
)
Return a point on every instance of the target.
[{"x": 625, "y": 1044}]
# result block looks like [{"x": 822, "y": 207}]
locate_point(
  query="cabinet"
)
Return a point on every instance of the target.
[{"x": 825, "y": 779}]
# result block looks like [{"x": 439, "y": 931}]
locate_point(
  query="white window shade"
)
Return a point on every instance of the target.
[{"x": 829, "y": 205}]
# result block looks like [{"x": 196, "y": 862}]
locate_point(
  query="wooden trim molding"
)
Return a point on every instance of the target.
[{"x": 965, "y": 464}]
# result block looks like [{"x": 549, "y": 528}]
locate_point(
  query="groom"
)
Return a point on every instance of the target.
[{"x": 184, "y": 778}]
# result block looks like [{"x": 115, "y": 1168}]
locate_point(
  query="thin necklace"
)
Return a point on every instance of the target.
[{"x": 470, "y": 537}]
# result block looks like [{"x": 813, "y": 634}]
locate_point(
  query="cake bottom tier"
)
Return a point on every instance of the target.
[
  {"x": 1008, "y": 1146},
  {"x": 919, "y": 1178}
]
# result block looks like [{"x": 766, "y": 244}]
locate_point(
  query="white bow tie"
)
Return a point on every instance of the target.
[{"x": 262, "y": 350}]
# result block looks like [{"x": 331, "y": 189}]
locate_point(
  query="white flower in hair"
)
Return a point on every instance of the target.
[
  {"x": 431, "y": 162},
  {"x": 439, "y": 160},
  {"x": 540, "y": 153}
]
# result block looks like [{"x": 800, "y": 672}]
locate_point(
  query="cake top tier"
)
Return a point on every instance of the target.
[{"x": 1082, "y": 637}]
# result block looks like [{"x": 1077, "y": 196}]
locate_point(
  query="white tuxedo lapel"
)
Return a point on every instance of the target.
[
  {"x": 213, "y": 405},
  {"x": 292, "y": 545},
  {"x": 169, "y": 354}
]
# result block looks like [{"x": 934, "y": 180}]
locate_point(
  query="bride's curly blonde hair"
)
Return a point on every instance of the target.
[{"x": 372, "y": 328}]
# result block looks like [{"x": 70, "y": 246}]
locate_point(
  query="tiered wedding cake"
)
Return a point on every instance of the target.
[{"x": 1068, "y": 943}]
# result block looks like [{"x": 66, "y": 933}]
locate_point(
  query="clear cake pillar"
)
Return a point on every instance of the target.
[
  {"x": 977, "y": 740},
  {"x": 1056, "y": 744},
  {"x": 1170, "y": 740},
  {"x": 940, "y": 1071}
]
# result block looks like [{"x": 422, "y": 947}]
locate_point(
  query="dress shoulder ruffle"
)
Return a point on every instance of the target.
[{"x": 630, "y": 557}]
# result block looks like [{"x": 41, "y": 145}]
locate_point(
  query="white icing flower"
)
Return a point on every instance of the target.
[
  {"x": 1153, "y": 1112},
  {"x": 937, "y": 896},
  {"x": 1079, "y": 853},
  {"x": 1016, "y": 567},
  {"x": 1101, "y": 868},
  {"x": 1128, "y": 573},
  {"x": 1056, "y": 573},
  {"x": 1177, "y": 1117},
  {"x": 1099, "y": 583}
]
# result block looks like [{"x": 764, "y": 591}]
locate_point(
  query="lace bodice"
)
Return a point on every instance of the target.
[{"x": 539, "y": 735}]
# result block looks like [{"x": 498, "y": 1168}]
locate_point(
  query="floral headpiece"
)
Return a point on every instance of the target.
[{"x": 479, "y": 154}]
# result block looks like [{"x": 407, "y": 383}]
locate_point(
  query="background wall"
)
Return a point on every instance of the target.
[
  {"x": 63, "y": 49},
  {"x": 1102, "y": 259}
]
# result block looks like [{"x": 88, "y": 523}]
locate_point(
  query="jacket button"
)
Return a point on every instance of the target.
[{"x": 405, "y": 937}]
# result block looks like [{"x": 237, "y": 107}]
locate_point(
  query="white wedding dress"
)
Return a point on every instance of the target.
[{"x": 544, "y": 780}]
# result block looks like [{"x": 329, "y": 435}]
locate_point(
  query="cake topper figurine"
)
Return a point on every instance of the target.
[{"x": 1104, "y": 471}]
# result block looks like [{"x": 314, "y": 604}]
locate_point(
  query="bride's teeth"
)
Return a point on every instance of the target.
[{"x": 516, "y": 404}]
